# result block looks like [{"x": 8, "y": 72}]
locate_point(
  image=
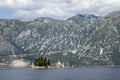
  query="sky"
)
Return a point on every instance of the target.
[{"x": 57, "y": 9}]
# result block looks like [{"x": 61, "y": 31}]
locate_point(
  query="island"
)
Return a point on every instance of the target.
[{"x": 44, "y": 63}]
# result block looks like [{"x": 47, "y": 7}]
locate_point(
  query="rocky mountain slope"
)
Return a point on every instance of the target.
[{"x": 79, "y": 40}]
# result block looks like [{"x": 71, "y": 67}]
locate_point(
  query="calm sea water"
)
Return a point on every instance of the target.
[{"x": 88, "y": 73}]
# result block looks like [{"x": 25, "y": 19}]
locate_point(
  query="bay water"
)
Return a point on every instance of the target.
[{"x": 86, "y": 73}]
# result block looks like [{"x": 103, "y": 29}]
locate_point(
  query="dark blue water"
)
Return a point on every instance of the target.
[{"x": 88, "y": 73}]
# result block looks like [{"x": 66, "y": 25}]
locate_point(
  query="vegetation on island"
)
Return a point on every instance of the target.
[{"x": 42, "y": 61}]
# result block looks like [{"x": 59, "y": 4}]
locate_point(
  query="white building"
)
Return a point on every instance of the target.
[{"x": 60, "y": 64}]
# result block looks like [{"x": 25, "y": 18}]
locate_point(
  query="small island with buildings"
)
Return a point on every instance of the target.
[{"x": 44, "y": 63}]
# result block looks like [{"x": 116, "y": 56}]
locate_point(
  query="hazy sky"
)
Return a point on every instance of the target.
[{"x": 59, "y": 9}]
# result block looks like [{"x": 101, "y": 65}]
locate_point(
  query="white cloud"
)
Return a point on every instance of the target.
[
  {"x": 60, "y": 8},
  {"x": 19, "y": 3},
  {"x": 16, "y": 4},
  {"x": 22, "y": 12},
  {"x": 2, "y": 3}
]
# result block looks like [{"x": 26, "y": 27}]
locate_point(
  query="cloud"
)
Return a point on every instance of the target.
[
  {"x": 59, "y": 9},
  {"x": 18, "y": 3}
]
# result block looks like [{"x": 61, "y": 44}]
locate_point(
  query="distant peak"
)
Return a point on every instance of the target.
[
  {"x": 43, "y": 18},
  {"x": 81, "y": 16},
  {"x": 116, "y": 13}
]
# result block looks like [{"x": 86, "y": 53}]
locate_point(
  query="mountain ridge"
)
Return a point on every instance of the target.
[{"x": 89, "y": 40}]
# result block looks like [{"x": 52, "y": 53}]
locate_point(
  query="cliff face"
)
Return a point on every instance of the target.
[{"x": 81, "y": 39}]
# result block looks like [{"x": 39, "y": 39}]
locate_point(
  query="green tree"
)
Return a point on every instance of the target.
[{"x": 42, "y": 62}]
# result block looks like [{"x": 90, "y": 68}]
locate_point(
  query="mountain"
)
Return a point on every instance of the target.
[
  {"x": 83, "y": 19},
  {"x": 79, "y": 40}
]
